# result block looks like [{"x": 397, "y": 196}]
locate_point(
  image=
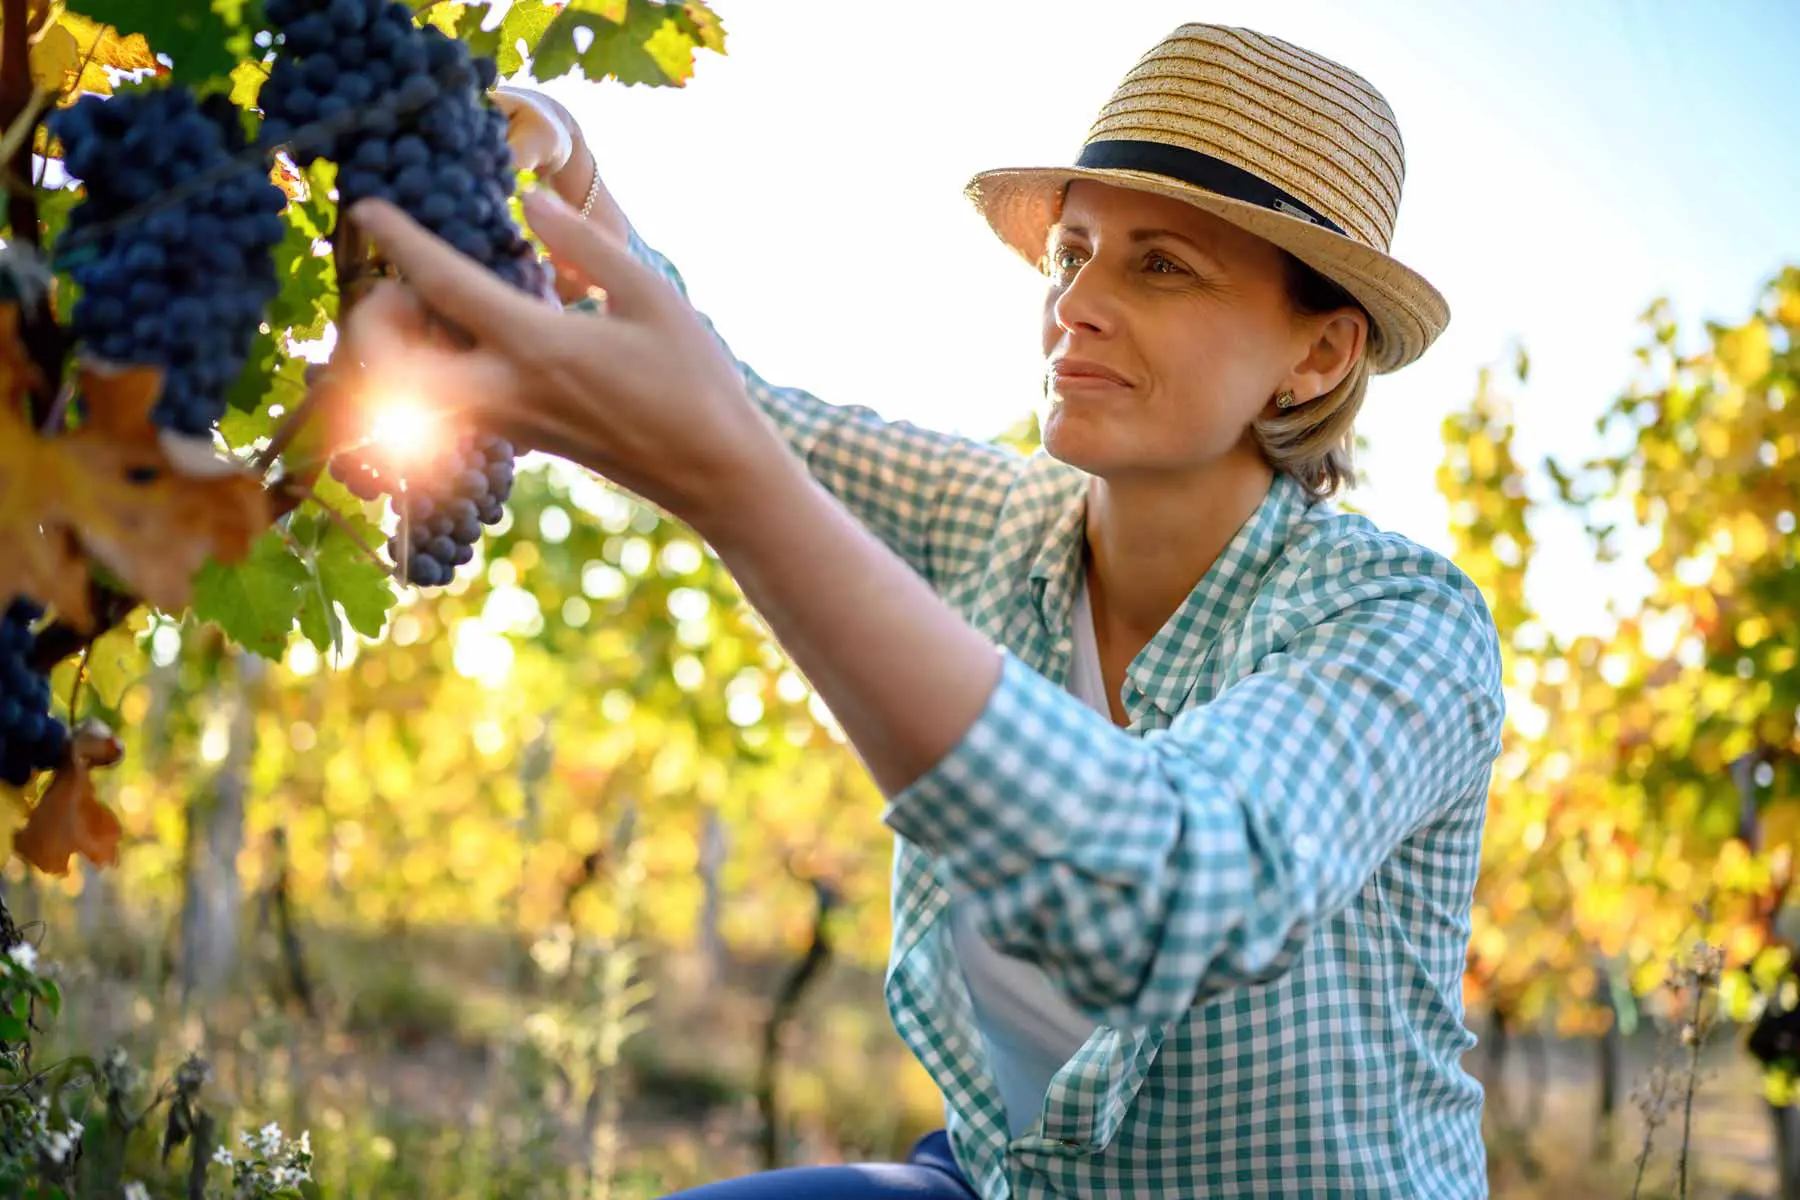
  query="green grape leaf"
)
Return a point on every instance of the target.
[
  {"x": 636, "y": 42},
  {"x": 306, "y": 278},
  {"x": 468, "y": 28},
  {"x": 343, "y": 581},
  {"x": 253, "y": 601},
  {"x": 525, "y": 22},
  {"x": 247, "y": 391}
]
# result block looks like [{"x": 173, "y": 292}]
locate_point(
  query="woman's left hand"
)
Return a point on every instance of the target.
[{"x": 643, "y": 395}]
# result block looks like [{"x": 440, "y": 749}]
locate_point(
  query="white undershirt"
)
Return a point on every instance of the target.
[{"x": 1030, "y": 1029}]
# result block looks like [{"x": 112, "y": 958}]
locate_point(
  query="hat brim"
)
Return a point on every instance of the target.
[{"x": 1020, "y": 204}]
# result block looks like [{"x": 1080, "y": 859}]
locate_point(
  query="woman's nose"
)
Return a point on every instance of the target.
[{"x": 1086, "y": 303}]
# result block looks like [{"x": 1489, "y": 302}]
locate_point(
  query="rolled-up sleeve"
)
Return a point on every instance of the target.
[
  {"x": 931, "y": 497},
  {"x": 1145, "y": 874}
]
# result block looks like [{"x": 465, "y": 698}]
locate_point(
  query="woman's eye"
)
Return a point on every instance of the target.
[{"x": 1060, "y": 261}]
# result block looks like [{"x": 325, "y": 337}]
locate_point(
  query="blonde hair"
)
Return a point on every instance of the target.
[{"x": 1313, "y": 443}]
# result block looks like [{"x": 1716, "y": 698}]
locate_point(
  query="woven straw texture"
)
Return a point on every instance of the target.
[{"x": 1311, "y": 127}]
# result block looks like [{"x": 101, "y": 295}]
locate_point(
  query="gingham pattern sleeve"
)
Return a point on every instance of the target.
[
  {"x": 893, "y": 476},
  {"x": 1144, "y": 874}
]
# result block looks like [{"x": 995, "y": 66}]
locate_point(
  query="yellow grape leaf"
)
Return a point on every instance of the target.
[
  {"x": 247, "y": 79},
  {"x": 168, "y": 503},
  {"x": 706, "y": 22},
  {"x": 55, "y": 59},
  {"x": 672, "y": 50},
  {"x": 35, "y": 539},
  {"x": 77, "y": 43},
  {"x": 37, "y": 491},
  {"x": 130, "y": 53},
  {"x": 444, "y": 16},
  {"x": 69, "y": 818}
]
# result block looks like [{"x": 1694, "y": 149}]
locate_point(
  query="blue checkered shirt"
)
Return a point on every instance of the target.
[{"x": 1260, "y": 890}]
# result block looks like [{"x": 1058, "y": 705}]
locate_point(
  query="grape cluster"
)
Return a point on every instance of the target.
[
  {"x": 171, "y": 244},
  {"x": 441, "y": 522},
  {"x": 30, "y": 738},
  {"x": 400, "y": 108}
]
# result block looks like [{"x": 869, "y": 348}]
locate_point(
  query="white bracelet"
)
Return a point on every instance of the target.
[{"x": 593, "y": 192}]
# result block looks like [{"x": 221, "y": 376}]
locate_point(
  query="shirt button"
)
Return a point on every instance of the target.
[{"x": 1306, "y": 847}]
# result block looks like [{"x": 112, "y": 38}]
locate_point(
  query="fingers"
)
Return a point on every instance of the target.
[
  {"x": 540, "y": 139},
  {"x": 388, "y": 317},
  {"x": 594, "y": 255},
  {"x": 457, "y": 287},
  {"x": 388, "y": 350}
]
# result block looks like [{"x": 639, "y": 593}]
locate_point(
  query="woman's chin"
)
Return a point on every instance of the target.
[{"x": 1079, "y": 445}]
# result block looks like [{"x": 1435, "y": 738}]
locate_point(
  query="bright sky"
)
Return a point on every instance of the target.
[{"x": 1567, "y": 163}]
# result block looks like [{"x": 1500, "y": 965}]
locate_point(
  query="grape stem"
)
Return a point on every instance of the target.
[
  {"x": 286, "y": 432},
  {"x": 337, "y": 518},
  {"x": 81, "y": 670}
]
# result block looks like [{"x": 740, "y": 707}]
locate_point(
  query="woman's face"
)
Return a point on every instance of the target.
[{"x": 1188, "y": 310}]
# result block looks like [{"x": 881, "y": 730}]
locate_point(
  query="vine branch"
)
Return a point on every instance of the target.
[{"x": 39, "y": 330}]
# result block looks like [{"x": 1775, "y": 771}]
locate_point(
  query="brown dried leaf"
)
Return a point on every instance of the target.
[
  {"x": 162, "y": 507},
  {"x": 35, "y": 522},
  {"x": 69, "y": 818}
]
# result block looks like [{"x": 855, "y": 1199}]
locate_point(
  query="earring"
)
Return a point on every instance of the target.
[{"x": 1285, "y": 399}]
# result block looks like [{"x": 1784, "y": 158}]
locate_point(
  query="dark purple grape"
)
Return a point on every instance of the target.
[
  {"x": 30, "y": 738},
  {"x": 183, "y": 288}
]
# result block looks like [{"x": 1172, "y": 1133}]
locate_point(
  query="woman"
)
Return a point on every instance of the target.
[{"x": 1187, "y": 767}]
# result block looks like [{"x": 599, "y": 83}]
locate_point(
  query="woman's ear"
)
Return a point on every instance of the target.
[{"x": 1339, "y": 340}]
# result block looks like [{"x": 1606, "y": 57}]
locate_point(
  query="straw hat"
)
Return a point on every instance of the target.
[{"x": 1275, "y": 139}]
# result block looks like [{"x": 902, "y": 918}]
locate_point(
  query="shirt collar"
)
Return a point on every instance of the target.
[{"x": 1168, "y": 667}]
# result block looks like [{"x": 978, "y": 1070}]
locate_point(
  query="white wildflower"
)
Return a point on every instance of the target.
[
  {"x": 305, "y": 1142},
  {"x": 136, "y": 1191},
  {"x": 23, "y": 953},
  {"x": 223, "y": 1157}
]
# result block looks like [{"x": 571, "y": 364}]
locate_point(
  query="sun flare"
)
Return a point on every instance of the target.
[{"x": 404, "y": 427}]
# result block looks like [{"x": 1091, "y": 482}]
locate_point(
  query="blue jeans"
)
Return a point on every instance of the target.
[{"x": 929, "y": 1173}]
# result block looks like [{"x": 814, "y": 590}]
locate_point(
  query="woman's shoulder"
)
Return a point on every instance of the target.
[{"x": 1336, "y": 560}]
